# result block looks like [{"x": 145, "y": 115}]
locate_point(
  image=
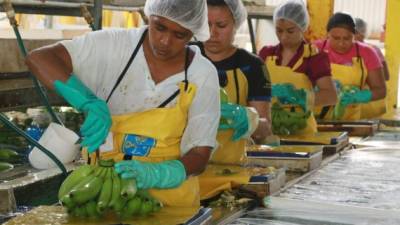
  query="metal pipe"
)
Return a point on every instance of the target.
[
  {"x": 252, "y": 35},
  {"x": 33, "y": 142},
  {"x": 13, "y": 22},
  {"x": 98, "y": 14},
  {"x": 71, "y": 5},
  {"x": 47, "y": 3}
]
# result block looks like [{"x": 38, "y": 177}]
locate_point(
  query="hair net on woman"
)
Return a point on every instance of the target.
[
  {"x": 361, "y": 25},
  {"x": 294, "y": 11},
  {"x": 190, "y": 14},
  {"x": 238, "y": 10}
]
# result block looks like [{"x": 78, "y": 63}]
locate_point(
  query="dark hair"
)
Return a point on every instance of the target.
[
  {"x": 216, "y": 3},
  {"x": 341, "y": 20}
]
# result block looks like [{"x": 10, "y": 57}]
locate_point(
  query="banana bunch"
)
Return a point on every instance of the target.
[
  {"x": 285, "y": 122},
  {"x": 93, "y": 191},
  {"x": 340, "y": 108},
  {"x": 8, "y": 156}
]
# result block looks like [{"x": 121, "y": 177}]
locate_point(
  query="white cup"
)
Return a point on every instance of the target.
[{"x": 58, "y": 140}]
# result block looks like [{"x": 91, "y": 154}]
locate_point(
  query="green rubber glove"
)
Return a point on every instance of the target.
[
  {"x": 288, "y": 94},
  {"x": 98, "y": 118},
  {"x": 356, "y": 96},
  {"x": 163, "y": 175},
  {"x": 236, "y": 118},
  {"x": 282, "y": 90}
]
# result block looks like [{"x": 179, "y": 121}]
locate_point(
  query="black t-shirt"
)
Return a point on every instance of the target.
[{"x": 259, "y": 83}]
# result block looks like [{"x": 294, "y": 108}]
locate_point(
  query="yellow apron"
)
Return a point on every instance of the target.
[
  {"x": 161, "y": 129},
  {"x": 215, "y": 180},
  {"x": 284, "y": 74},
  {"x": 348, "y": 75},
  {"x": 228, "y": 152}
]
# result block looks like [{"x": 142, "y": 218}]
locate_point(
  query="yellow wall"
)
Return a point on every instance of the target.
[
  {"x": 121, "y": 19},
  {"x": 320, "y": 11},
  {"x": 392, "y": 47}
]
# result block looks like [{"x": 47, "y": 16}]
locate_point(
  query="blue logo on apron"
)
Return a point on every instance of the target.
[{"x": 136, "y": 145}]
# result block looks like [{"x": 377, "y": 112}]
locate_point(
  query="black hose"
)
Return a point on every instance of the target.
[{"x": 8, "y": 8}]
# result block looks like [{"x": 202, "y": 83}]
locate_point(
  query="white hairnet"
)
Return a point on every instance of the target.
[
  {"x": 294, "y": 11},
  {"x": 190, "y": 14},
  {"x": 361, "y": 25},
  {"x": 238, "y": 10}
]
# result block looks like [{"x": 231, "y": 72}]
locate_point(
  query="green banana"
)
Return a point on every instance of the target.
[
  {"x": 73, "y": 179},
  {"x": 132, "y": 207},
  {"x": 8, "y": 155},
  {"x": 86, "y": 190},
  {"x": 116, "y": 190},
  {"x": 98, "y": 170},
  {"x": 145, "y": 196},
  {"x": 67, "y": 202},
  {"x": 146, "y": 207},
  {"x": 103, "y": 172},
  {"x": 109, "y": 173},
  {"x": 119, "y": 205},
  {"x": 105, "y": 195},
  {"x": 4, "y": 166},
  {"x": 80, "y": 211},
  {"x": 128, "y": 188},
  {"x": 91, "y": 209}
]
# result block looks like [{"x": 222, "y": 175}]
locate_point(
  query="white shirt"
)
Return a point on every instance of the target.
[{"x": 98, "y": 59}]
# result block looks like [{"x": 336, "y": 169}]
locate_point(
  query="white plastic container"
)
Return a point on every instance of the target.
[{"x": 58, "y": 140}]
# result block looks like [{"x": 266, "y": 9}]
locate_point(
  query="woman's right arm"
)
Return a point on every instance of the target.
[
  {"x": 327, "y": 92},
  {"x": 376, "y": 84},
  {"x": 50, "y": 63}
]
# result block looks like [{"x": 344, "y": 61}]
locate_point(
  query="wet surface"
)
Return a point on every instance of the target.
[
  {"x": 20, "y": 210},
  {"x": 367, "y": 178},
  {"x": 382, "y": 139},
  {"x": 300, "y": 217},
  {"x": 361, "y": 187}
]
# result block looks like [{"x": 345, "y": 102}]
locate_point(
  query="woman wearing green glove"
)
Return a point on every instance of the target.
[
  {"x": 297, "y": 69},
  {"x": 243, "y": 76},
  {"x": 161, "y": 95},
  {"x": 357, "y": 69},
  {"x": 244, "y": 80}
]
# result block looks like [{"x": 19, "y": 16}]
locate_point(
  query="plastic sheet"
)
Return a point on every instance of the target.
[
  {"x": 295, "y": 212},
  {"x": 366, "y": 177},
  {"x": 381, "y": 139}
]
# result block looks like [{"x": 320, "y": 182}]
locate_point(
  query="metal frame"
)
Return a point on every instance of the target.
[
  {"x": 257, "y": 12},
  {"x": 22, "y": 97}
]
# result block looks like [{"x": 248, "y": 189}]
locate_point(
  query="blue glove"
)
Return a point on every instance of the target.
[
  {"x": 287, "y": 94},
  {"x": 163, "y": 175},
  {"x": 236, "y": 119},
  {"x": 282, "y": 90},
  {"x": 353, "y": 97},
  {"x": 98, "y": 119}
]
